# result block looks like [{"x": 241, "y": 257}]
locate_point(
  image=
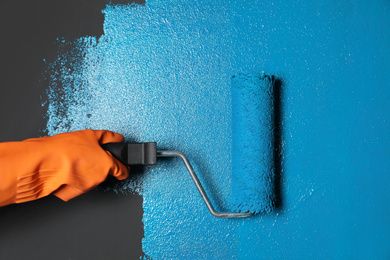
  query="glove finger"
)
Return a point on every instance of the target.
[
  {"x": 105, "y": 136},
  {"x": 119, "y": 171}
]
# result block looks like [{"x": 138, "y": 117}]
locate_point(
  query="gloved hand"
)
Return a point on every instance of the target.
[{"x": 66, "y": 165}]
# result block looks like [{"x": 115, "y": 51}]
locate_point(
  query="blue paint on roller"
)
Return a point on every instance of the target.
[{"x": 253, "y": 162}]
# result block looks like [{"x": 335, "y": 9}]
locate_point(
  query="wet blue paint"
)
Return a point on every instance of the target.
[{"x": 162, "y": 72}]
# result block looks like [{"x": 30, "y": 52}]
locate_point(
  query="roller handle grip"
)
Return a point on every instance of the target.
[{"x": 133, "y": 153}]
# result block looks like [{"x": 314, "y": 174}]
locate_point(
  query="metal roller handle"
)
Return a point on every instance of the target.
[
  {"x": 200, "y": 187},
  {"x": 146, "y": 154}
]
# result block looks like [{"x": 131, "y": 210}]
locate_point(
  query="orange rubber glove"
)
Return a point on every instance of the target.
[{"x": 66, "y": 165}]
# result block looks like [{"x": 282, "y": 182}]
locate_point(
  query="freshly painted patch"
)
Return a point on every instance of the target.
[{"x": 161, "y": 72}]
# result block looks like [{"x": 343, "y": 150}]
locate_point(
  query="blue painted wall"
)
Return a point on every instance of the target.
[{"x": 162, "y": 72}]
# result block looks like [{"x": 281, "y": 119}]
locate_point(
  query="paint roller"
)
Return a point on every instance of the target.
[
  {"x": 253, "y": 124},
  {"x": 252, "y": 148}
]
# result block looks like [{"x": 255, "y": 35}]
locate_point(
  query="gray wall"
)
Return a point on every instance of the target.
[{"x": 97, "y": 225}]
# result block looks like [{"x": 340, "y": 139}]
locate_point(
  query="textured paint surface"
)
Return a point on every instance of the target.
[
  {"x": 253, "y": 143},
  {"x": 162, "y": 72}
]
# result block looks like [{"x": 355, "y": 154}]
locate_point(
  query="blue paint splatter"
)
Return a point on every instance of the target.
[{"x": 161, "y": 72}]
